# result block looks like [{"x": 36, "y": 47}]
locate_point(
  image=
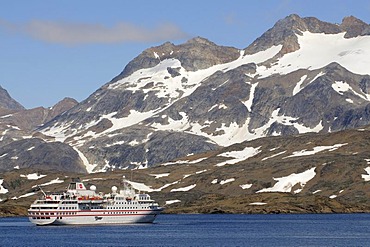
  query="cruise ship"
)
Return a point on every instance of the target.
[{"x": 81, "y": 206}]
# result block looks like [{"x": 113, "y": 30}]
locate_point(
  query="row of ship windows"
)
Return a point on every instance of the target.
[
  {"x": 133, "y": 212},
  {"x": 44, "y": 207},
  {"x": 47, "y": 202},
  {"x": 140, "y": 198},
  {"x": 132, "y": 203},
  {"x": 128, "y": 207},
  {"x": 61, "y": 213},
  {"x": 45, "y": 216},
  {"x": 93, "y": 207},
  {"x": 53, "y": 208},
  {"x": 69, "y": 202}
]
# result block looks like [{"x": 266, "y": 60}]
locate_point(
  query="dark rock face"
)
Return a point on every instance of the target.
[
  {"x": 32, "y": 153},
  {"x": 354, "y": 27},
  {"x": 8, "y": 102},
  {"x": 60, "y": 107}
]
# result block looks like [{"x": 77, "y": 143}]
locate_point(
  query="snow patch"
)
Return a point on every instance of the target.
[
  {"x": 113, "y": 144},
  {"x": 133, "y": 118},
  {"x": 341, "y": 87},
  {"x": 184, "y": 161},
  {"x": 140, "y": 186},
  {"x": 248, "y": 103},
  {"x": 199, "y": 172},
  {"x": 160, "y": 175},
  {"x": 245, "y": 186},
  {"x": 2, "y": 189},
  {"x": 288, "y": 121},
  {"x": 257, "y": 203},
  {"x": 272, "y": 156},
  {"x": 298, "y": 87},
  {"x": 89, "y": 167},
  {"x": 25, "y": 195},
  {"x": 318, "y": 50},
  {"x": 315, "y": 150},
  {"x": 285, "y": 184},
  {"x": 92, "y": 179},
  {"x": 239, "y": 156},
  {"x": 32, "y": 176},
  {"x": 366, "y": 177},
  {"x": 6, "y": 116},
  {"x": 54, "y": 181},
  {"x": 183, "y": 189},
  {"x": 172, "y": 202},
  {"x": 227, "y": 181}
]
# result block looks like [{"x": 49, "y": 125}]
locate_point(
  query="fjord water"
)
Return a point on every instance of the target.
[{"x": 200, "y": 230}]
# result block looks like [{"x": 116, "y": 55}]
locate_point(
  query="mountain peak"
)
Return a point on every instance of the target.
[
  {"x": 354, "y": 27},
  {"x": 291, "y": 22},
  {"x": 351, "y": 20},
  {"x": 285, "y": 32},
  {"x": 67, "y": 101},
  {"x": 7, "y": 102},
  {"x": 197, "y": 53},
  {"x": 200, "y": 40}
]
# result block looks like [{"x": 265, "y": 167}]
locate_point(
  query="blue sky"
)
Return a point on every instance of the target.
[{"x": 51, "y": 49}]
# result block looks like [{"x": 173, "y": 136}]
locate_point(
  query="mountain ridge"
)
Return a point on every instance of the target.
[
  {"x": 223, "y": 95},
  {"x": 280, "y": 126}
]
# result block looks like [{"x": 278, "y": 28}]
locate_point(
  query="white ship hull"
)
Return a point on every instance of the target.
[{"x": 98, "y": 218}]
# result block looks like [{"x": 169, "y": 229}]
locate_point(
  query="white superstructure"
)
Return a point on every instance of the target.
[{"x": 78, "y": 205}]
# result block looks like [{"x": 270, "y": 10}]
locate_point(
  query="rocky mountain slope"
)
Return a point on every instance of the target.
[
  {"x": 306, "y": 173},
  {"x": 22, "y": 147},
  {"x": 7, "y": 102},
  {"x": 199, "y": 96},
  {"x": 279, "y": 126}
]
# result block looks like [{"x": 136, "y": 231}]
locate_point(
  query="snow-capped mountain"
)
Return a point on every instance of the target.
[
  {"x": 280, "y": 126},
  {"x": 22, "y": 147},
  {"x": 303, "y": 75}
]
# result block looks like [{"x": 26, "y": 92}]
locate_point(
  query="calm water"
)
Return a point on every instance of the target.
[{"x": 200, "y": 230}]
